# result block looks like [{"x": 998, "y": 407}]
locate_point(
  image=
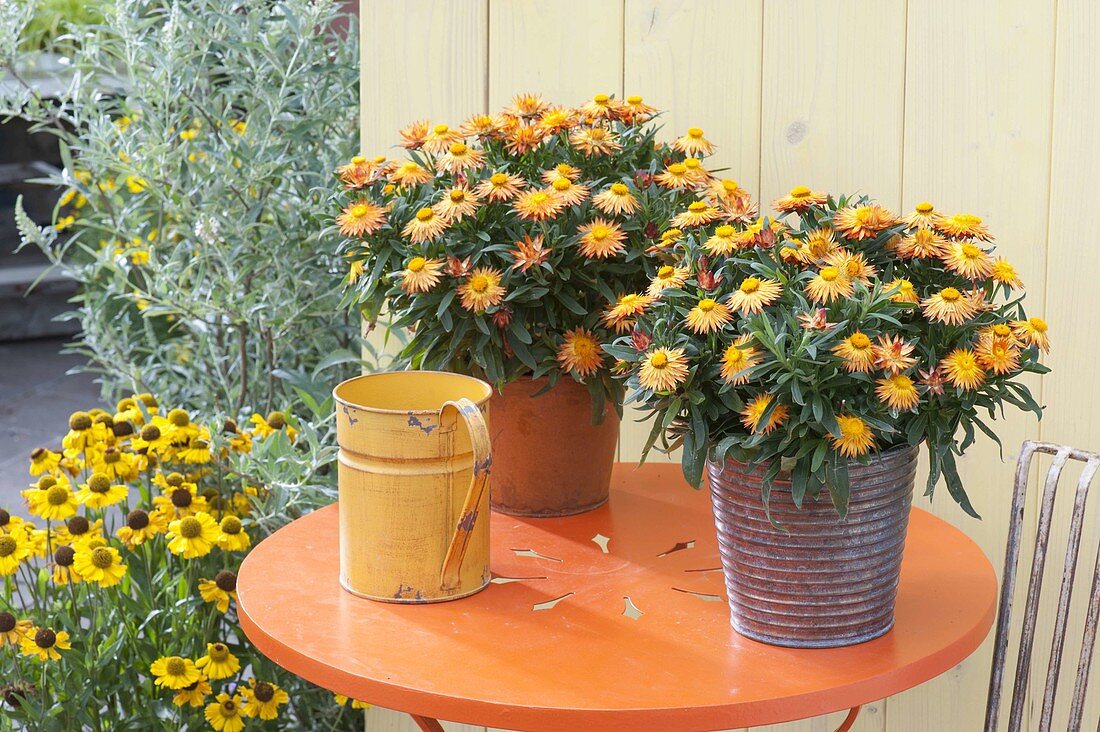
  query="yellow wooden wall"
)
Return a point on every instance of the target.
[{"x": 988, "y": 106}]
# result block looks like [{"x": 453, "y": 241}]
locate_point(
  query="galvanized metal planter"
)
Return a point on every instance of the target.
[{"x": 818, "y": 582}]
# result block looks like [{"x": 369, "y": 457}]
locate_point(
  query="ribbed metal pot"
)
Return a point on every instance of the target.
[{"x": 818, "y": 582}]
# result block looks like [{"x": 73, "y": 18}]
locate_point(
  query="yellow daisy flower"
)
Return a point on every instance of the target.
[
  {"x": 723, "y": 241},
  {"x": 855, "y": 438},
  {"x": 601, "y": 106},
  {"x": 98, "y": 492},
  {"x": 44, "y": 461},
  {"x": 557, "y": 119},
  {"x": 425, "y": 226},
  {"x": 63, "y": 570},
  {"x": 173, "y": 672},
  {"x": 799, "y": 199},
  {"x": 863, "y": 222},
  {"x": 675, "y": 176},
  {"x": 964, "y": 226},
  {"x": 500, "y": 187},
  {"x": 218, "y": 663},
  {"x": 636, "y": 110},
  {"x": 225, "y": 714},
  {"x": 827, "y": 285},
  {"x": 898, "y": 392},
  {"x": 421, "y": 275},
  {"x": 663, "y": 369},
  {"x": 708, "y": 316},
  {"x": 262, "y": 699},
  {"x": 12, "y": 630},
  {"x": 440, "y": 138},
  {"x": 962, "y": 369},
  {"x": 924, "y": 244},
  {"x": 949, "y": 306},
  {"x": 999, "y": 355},
  {"x": 753, "y": 414},
  {"x": 410, "y": 173},
  {"x": 44, "y": 644},
  {"x": 56, "y": 502},
  {"x": 968, "y": 260},
  {"x": 460, "y": 157},
  {"x": 693, "y": 143},
  {"x": 482, "y": 290},
  {"x": 857, "y": 351},
  {"x": 601, "y": 239},
  {"x": 594, "y": 141},
  {"x": 221, "y": 590},
  {"x": 361, "y": 218},
  {"x": 738, "y": 358},
  {"x": 538, "y": 205},
  {"x": 923, "y": 217},
  {"x": 456, "y": 204},
  {"x": 668, "y": 277},
  {"x": 580, "y": 353},
  {"x": 616, "y": 200},
  {"x": 568, "y": 192},
  {"x": 698, "y": 214},
  {"x": 854, "y": 267},
  {"x": 620, "y": 316},
  {"x": 232, "y": 536},
  {"x": 1004, "y": 273},
  {"x": 413, "y": 136},
  {"x": 274, "y": 422},
  {"x": 193, "y": 536},
  {"x": 522, "y": 139},
  {"x": 101, "y": 565},
  {"x": 1033, "y": 332},
  {"x": 753, "y": 294},
  {"x": 14, "y": 548},
  {"x": 192, "y": 695}
]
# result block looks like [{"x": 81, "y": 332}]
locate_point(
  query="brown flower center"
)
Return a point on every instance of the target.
[
  {"x": 179, "y": 417},
  {"x": 174, "y": 479},
  {"x": 78, "y": 525},
  {"x": 264, "y": 691},
  {"x": 190, "y": 527},
  {"x": 150, "y": 433},
  {"x": 58, "y": 495},
  {"x": 45, "y": 638},
  {"x": 175, "y": 666},
  {"x": 38, "y": 454},
  {"x": 8, "y": 546},
  {"x": 80, "y": 421},
  {"x": 7, "y": 622},
  {"x": 226, "y": 581},
  {"x": 99, "y": 483},
  {"x": 231, "y": 525},
  {"x": 277, "y": 420},
  {"x": 219, "y": 652},
  {"x": 102, "y": 557},
  {"x": 181, "y": 498},
  {"x": 137, "y": 519},
  {"x": 5, "y": 517},
  {"x": 111, "y": 456},
  {"x": 64, "y": 556},
  {"x": 122, "y": 429}
]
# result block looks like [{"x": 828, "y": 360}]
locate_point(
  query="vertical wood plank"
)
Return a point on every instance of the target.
[
  {"x": 1072, "y": 306},
  {"x": 832, "y": 118},
  {"x": 671, "y": 60},
  {"x": 567, "y": 50},
  {"x": 833, "y": 97},
  {"x": 977, "y": 132},
  {"x": 444, "y": 80}
]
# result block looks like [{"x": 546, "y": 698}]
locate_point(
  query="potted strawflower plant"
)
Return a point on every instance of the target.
[
  {"x": 803, "y": 359},
  {"x": 511, "y": 246}
]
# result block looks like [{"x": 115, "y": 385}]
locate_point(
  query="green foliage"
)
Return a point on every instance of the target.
[
  {"x": 803, "y": 382},
  {"x": 52, "y": 19},
  {"x": 261, "y": 476},
  {"x": 197, "y": 138}
]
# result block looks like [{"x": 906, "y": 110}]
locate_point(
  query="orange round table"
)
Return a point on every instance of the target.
[{"x": 611, "y": 620}]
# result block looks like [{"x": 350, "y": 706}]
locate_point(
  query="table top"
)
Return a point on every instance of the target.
[{"x": 613, "y": 619}]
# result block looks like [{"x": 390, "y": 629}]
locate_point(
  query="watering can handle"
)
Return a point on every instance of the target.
[{"x": 483, "y": 460}]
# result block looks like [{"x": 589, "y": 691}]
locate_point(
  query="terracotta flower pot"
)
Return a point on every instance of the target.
[
  {"x": 819, "y": 582},
  {"x": 548, "y": 457}
]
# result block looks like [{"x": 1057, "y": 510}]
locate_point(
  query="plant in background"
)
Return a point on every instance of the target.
[
  {"x": 830, "y": 333},
  {"x": 119, "y": 597},
  {"x": 197, "y": 139},
  {"x": 52, "y": 19},
  {"x": 509, "y": 242}
]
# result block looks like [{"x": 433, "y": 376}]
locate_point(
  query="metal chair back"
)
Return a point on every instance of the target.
[{"x": 1062, "y": 454}]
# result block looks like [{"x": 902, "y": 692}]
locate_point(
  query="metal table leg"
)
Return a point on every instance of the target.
[{"x": 849, "y": 720}]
